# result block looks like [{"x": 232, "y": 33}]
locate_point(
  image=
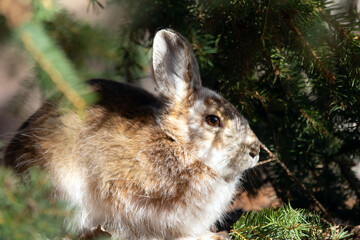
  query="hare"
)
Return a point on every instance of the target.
[{"x": 144, "y": 166}]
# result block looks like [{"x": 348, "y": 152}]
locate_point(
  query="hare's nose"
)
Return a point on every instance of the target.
[{"x": 254, "y": 149}]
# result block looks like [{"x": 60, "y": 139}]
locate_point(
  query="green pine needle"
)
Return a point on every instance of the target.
[
  {"x": 27, "y": 210},
  {"x": 284, "y": 223},
  {"x": 54, "y": 62}
]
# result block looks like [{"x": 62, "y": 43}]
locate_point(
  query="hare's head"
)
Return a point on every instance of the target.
[{"x": 205, "y": 124}]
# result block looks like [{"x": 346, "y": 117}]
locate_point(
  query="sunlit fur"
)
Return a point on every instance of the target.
[{"x": 144, "y": 167}]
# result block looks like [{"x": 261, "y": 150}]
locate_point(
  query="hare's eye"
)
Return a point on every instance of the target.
[{"x": 213, "y": 120}]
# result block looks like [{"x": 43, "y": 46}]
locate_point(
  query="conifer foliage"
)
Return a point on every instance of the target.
[
  {"x": 285, "y": 223},
  {"x": 27, "y": 210}
]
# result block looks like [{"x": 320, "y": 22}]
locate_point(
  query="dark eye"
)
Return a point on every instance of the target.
[{"x": 213, "y": 120}]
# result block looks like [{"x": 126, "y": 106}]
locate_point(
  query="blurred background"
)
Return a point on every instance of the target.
[{"x": 290, "y": 66}]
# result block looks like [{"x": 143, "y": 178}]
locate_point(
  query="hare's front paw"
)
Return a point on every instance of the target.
[{"x": 215, "y": 236}]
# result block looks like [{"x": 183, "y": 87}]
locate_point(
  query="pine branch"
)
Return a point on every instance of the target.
[
  {"x": 275, "y": 158},
  {"x": 27, "y": 210},
  {"x": 328, "y": 74},
  {"x": 269, "y": 160},
  {"x": 45, "y": 52},
  {"x": 342, "y": 32},
  {"x": 50, "y": 58},
  {"x": 284, "y": 223},
  {"x": 313, "y": 123}
]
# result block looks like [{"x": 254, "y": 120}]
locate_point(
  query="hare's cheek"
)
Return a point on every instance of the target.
[{"x": 214, "y": 158}]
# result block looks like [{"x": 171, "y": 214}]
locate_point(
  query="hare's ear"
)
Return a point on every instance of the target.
[{"x": 175, "y": 68}]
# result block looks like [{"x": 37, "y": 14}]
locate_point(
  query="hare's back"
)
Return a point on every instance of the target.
[
  {"x": 125, "y": 99},
  {"x": 117, "y": 103}
]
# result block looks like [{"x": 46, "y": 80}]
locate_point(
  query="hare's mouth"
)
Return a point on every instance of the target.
[
  {"x": 248, "y": 162},
  {"x": 254, "y": 160}
]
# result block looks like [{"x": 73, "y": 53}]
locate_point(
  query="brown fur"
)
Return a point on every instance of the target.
[{"x": 143, "y": 166}]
